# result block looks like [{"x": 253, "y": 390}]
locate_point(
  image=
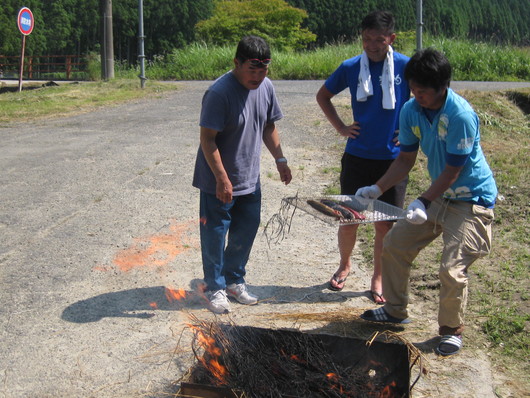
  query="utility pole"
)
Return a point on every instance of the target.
[
  {"x": 419, "y": 24},
  {"x": 107, "y": 41},
  {"x": 141, "y": 37}
]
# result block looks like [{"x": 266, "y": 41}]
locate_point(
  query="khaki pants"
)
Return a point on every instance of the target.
[{"x": 466, "y": 234}]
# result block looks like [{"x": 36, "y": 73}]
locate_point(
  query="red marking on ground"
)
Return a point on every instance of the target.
[{"x": 157, "y": 250}]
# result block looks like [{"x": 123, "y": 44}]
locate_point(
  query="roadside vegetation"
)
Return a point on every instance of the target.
[
  {"x": 38, "y": 101},
  {"x": 470, "y": 60},
  {"x": 499, "y": 312},
  {"x": 73, "y": 26}
]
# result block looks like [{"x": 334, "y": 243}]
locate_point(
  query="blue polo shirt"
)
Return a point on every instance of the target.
[{"x": 454, "y": 132}]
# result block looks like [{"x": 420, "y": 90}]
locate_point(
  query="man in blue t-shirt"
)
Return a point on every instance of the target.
[
  {"x": 239, "y": 111},
  {"x": 457, "y": 205},
  {"x": 378, "y": 91}
]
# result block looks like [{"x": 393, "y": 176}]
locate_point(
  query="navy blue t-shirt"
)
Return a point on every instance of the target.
[{"x": 239, "y": 116}]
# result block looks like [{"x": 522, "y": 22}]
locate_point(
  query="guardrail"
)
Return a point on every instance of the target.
[{"x": 44, "y": 67}]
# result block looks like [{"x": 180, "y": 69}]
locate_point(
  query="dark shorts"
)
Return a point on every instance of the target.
[{"x": 358, "y": 172}]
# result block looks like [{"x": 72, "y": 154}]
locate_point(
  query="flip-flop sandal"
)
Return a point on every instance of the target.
[
  {"x": 374, "y": 294},
  {"x": 338, "y": 282},
  {"x": 380, "y": 315},
  {"x": 449, "y": 345}
]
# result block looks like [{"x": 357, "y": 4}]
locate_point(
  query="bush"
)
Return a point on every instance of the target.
[{"x": 93, "y": 66}]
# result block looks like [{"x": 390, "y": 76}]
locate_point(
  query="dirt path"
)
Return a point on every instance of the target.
[{"x": 98, "y": 225}]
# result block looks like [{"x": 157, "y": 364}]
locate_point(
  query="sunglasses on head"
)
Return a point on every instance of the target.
[{"x": 259, "y": 62}]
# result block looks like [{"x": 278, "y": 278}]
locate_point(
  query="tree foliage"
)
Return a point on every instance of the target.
[
  {"x": 274, "y": 20},
  {"x": 73, "y": 26},
  {"x": 498, "y": 21}
]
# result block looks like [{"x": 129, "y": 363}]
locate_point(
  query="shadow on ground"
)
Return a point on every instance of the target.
[{"x": 142, "y": 302}]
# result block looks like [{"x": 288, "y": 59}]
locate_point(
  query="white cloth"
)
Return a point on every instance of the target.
[{"x": 365, "y": 87}]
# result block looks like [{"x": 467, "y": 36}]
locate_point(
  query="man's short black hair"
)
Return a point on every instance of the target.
[
  {"x": 379, "y": 20},
  {"x": 251, "y": 47},
  {"x": 429, "y": 68}
]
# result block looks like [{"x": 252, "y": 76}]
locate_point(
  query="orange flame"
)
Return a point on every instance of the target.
[
  {"x": 217, "y": 370},
  {"x": 213, "y": 365},
  {"x": 387, "y": 391},
  {"x": 334, "y": 378},
  {"x": 172, "y": 294}
]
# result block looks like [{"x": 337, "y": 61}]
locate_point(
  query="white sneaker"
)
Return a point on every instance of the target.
[
  {"x": 240, "y": 293},
  {"x": 218, "y": 302}
]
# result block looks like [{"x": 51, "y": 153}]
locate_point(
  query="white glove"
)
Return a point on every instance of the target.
[
  {"x": 416, "y": 212},
  {"x": 371, "y": 192}
]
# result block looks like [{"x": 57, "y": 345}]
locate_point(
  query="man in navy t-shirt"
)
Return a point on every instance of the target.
[{"x": 239, "y": 111}]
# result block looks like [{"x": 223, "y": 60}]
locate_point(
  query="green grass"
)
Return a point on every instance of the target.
[
  {"x": 70, "y": 98},
  {"x": 470, "y": 61},
  {"x": 481, "y": 61}
]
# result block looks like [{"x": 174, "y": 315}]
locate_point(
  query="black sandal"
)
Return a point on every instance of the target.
[
  {"x": 380, "y": 315},
  {"x": 338, "y": 282},
  {"x": 374, "y": 294},
  {"x": 450, "y": 345}
]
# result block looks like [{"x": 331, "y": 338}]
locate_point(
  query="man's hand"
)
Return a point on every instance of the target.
[
  {"x": 396, "y": 138},
  {"x": 371, "y": 192},
  {"x": 351, "y": 131},
  {"x": 416, "y": 212},
  {"x": 224, "y": 190},
  {"x": 285, "y": 172}
]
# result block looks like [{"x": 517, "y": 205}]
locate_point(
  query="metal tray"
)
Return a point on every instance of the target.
[{"x": 371, "y": 210}]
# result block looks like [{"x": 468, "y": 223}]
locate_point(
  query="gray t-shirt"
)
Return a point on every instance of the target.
[{"x": 239, "y": 115}]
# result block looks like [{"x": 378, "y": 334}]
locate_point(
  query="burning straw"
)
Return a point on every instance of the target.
[{"x": 261, "y": 363}]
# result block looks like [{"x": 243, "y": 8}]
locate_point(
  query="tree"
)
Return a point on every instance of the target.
[
  {"x": 73, "y": 26},
  {"x": 9, "y": 33},
  {"x": 274, "y": 20},
  {"x": 168, "y": 24},
  {"x": 503, "y": 21},
  {"x": 338, "y": 20},
  {"x": 10, "y": 36}
]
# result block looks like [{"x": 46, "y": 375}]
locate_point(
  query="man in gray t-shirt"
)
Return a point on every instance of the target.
[{"x": 239, "y": 111}]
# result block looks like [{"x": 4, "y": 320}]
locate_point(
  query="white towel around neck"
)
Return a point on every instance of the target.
[{"x": 365, "y": 88}]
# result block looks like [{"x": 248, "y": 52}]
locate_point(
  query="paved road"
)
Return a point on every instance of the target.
[
  {"x": 84, "y": 310},
  {"x": 471, "y": 85}
]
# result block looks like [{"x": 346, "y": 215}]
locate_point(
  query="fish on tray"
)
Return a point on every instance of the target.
[
  {"x": 336, "y": 210},
  {"x": 321, "y": 207}
]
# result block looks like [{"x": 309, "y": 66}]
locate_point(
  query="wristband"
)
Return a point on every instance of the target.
[
  {"x": 281, "y": 160},
  {"x": 426, "y": 202}
]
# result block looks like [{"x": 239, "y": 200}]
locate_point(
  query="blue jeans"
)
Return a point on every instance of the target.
[{"x": 224, "y": 260}]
